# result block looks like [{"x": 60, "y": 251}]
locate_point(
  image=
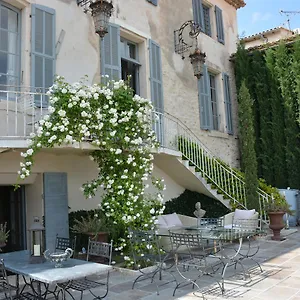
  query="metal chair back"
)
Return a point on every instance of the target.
[
  {"x": 5, "y": 287},
  {"x": 148, "y": 249},
  {"x": 63, "y": 243},
  {"x": 100, "y": 249}
]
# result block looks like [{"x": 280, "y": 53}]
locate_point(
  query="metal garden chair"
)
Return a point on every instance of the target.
[
  {"x": 146, "y": 252},
  {"x": 99, "y": 249},
  {"x": 5, "y": 287},
  {"x": 192, "y": 252},
  {"x": 63, "y": 243}
]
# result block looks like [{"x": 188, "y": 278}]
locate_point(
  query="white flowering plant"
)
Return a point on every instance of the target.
[{"x": 119, "y": 124}]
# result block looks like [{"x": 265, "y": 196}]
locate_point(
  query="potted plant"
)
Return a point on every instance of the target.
[
  {"x": 93, "y": 226},
  {"x": 4, "y": 234},
  {"x": 276, "y": 210}
]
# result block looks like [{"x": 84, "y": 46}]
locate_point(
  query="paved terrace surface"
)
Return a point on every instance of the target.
[{"x": 280, "y": 279}]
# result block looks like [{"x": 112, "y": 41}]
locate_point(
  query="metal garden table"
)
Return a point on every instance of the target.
[
  {"x": 227, "y": 245},
  {"x": 45, "y": 274}
]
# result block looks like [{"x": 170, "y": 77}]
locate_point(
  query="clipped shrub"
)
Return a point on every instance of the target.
[{"x": 185, "y": 205}]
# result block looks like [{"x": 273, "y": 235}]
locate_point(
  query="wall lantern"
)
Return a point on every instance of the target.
[
  {"x": 36, "y": 242},
  {"x": 197, "y": 60},
  {"x": 101, "y": 11},
  {"x": 185, "y": 38}
]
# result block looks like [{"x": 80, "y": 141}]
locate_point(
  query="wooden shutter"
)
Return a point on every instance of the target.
[
  {"x": 110, "y": 53},
  {"x": 157, "y": 89},
  {"x": 198, "y": 13},
  {"x": 42, "y": 49},
  {"x": 156, "y": 77},
  {"x": 205, "y": 100},
  {"x": 228, "y": 103},
  {"x": 56, "y": 207},
  {"x": 219, "y": 23}
]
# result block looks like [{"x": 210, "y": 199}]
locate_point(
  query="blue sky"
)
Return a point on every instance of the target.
[{"x": 260, "y": 15}]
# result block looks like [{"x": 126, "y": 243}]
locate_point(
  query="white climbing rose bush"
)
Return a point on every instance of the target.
[{"x": 119, "y": 124}]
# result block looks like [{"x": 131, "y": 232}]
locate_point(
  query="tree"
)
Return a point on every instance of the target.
[{"x": 247, "y": 143}]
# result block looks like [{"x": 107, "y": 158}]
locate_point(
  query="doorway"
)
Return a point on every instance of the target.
[{"x": 13, "y": 212}]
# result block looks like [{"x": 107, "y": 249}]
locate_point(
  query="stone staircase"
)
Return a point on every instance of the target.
[{"x": 206, "y": 174}]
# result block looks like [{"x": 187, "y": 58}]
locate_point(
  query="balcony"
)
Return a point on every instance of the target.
[{"x": 20, "y": 109}]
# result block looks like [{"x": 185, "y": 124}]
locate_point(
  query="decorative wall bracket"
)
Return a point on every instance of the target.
[{"x": 186, "y": 37}]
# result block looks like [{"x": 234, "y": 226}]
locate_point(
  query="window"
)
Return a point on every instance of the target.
[
  {"x": 206, "y": 19},
  {"x": 129, "y": 63},
  {"x": 9, "y": 47},
  {"x": 201, "y": 15},
  {"x": 213, "y": 98}
]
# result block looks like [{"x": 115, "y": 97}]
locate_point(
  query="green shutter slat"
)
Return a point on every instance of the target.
[
  {"x": 205, "y": 100},
  {"x": 228, "y": 103},
  {"x": 198, "y": 13},
  {"x": 43, "y": 57},
  {"x": 110, "y": 53},
  {"x": 56, "y": 208},
  {"x": 220, "y": 26}
]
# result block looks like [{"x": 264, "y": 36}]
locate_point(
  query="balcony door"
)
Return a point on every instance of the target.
[{"x": 9, "y": 47}]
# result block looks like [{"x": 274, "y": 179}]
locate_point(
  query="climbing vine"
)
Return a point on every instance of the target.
[{"x": 119, "y": 125}]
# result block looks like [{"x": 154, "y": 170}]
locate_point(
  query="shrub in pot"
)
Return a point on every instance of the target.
[
  {"x": 93, "y": 225},
  {"x": 276, "y": 210}
]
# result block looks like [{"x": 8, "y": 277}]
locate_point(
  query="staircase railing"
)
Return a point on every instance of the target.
[{"x": 173, "y": 134}]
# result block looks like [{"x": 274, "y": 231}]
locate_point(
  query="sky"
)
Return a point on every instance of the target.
[{"x": 261, "y": 15}]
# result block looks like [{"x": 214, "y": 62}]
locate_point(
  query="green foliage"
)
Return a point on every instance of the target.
[
  {"x": 4, "y": 233},
  {"x": 185, "y": 205},
  {"x": 247, "y": 140},
  {"x": 277, "y": 125},
  {"x": 119, "y": 125},
  {"x": 273, "y": 80}
]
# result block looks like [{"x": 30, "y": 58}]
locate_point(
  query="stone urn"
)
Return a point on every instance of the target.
[{"x": 276, "y": 224}]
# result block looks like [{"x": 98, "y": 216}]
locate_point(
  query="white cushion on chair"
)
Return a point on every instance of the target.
[
  {"x": 172, "y": 220},
  {"x": 241, "y": 214},
  {"x": 161, "y": 222}
]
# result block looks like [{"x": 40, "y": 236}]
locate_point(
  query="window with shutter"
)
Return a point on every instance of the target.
[
  {"x": 219, "y": 24},
  {"x": 214, "y": 103},
  {"x": 228, "y": 103},
  {"x": 198, "y": 13},
  {"x": 110, "y": 53},
  {"x": 206, "y": 19},
  {"x": 205, "y": 106},
  {"x": 9, "y": 47},
  {"x": 42, "y": 50}
]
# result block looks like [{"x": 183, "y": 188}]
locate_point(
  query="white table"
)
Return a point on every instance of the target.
[{"x": 73, "y": 269}]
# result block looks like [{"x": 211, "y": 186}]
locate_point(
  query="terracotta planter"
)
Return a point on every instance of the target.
[
  {"x": 100, "y": 237},
  {"x": 276, "y": 224}
]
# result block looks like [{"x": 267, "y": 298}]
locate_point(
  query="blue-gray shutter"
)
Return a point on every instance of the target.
[
  {"x": 55, "y": 207},
  {"x": 154, "y": 2},
  {"x": 198, "y": 13},
  {"x": 156, "y": 84},
  {"x": 205, "y": 100},
  {"x": 228, "y": 103},
  {"x": 220, "y": 26},
  {"x": 110, "y": 53},
  {"x": 43, "y": 54}
]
